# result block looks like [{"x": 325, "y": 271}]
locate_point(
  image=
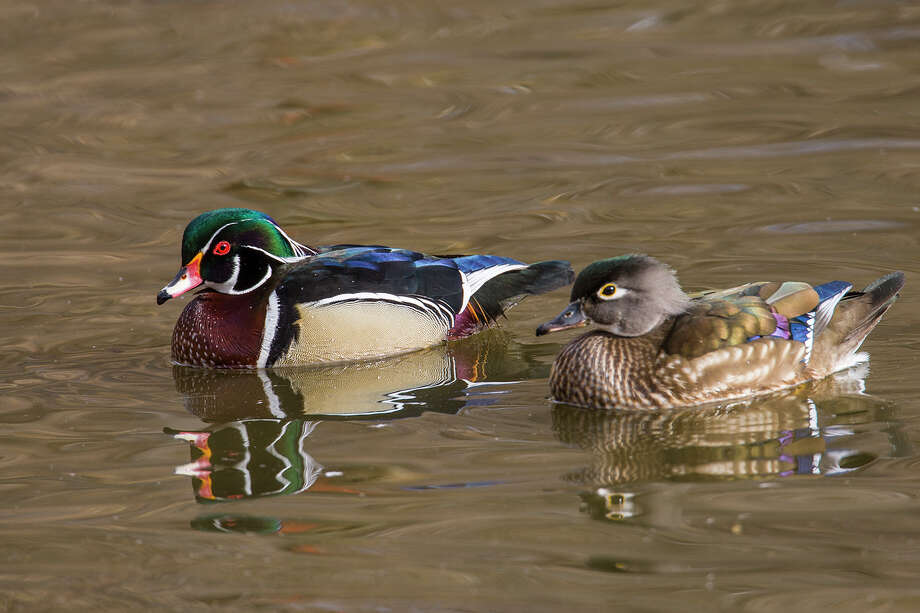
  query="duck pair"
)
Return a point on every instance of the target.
[{"x": 270, "y": 301}]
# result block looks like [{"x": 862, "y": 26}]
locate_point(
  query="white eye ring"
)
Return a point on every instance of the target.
[{"x": 611, "y": 291}]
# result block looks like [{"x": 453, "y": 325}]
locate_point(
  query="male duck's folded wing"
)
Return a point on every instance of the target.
[
  {"x": 369, "y": 273},
  {"x": 502, "y": 291}
]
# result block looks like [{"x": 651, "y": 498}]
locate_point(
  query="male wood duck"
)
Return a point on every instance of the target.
[
  {"x": 268, "y": 300},
  {"x": 656, "y": 347}
]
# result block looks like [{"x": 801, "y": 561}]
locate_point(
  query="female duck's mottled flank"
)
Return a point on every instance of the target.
[
  {"x": 268, "y": 300},
  {"x": 657, "y": 347}
]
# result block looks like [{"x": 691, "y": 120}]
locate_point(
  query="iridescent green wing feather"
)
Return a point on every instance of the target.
[{"x": 737, "y": 315}]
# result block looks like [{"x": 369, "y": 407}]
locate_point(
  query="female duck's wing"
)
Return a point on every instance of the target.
[{"x": 790, "y": 310}]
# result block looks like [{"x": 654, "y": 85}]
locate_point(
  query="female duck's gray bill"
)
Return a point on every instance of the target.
[{"x": 571, "y": 317}]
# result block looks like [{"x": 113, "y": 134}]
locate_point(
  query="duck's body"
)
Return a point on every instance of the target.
[
  {"x": 270, "y": 301},
  {"x": 659, "y": 348}
]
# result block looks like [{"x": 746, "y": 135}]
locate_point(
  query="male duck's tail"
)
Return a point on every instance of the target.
[
  {"x": 854, "y": 318},
  {"x": 505, "y": 290}
]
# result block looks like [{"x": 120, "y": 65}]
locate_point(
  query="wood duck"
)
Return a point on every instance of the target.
[
  {"x": 268, "y": 300},
  {"x": 655, "y": 347}
]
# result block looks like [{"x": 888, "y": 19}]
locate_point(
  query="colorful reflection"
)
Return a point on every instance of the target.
[{"x": 250, "y": 459}]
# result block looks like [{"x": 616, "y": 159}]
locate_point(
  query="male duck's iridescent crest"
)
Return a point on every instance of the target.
[
  {"x": 268, "y": 300},
  {"x": 655, "y": 347},
  {"x": 232, "y": 251}
]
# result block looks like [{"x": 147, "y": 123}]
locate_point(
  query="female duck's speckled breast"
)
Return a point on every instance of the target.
[
  {"x": 606, "y": 371},
  {"x": 603, "y": 370}
]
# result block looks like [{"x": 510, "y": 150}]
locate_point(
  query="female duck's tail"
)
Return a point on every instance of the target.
[{"x": 857, "y": 314}]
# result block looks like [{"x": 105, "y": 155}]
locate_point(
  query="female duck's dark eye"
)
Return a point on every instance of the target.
[
  {"x": 222, "y": 248},
  {"x": 607, "y": 291}
]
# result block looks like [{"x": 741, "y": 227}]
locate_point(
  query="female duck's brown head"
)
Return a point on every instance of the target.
[{"x": 629, "y": 295}]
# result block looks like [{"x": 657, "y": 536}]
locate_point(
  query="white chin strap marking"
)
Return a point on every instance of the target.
[
  {"x": 227, "y": 287},
  {"x": 268, "y": 275}
]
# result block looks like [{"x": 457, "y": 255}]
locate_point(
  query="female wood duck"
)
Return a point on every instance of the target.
[
  {"x": 656, "y": 347},
  {"x": 268, "y": 300}
]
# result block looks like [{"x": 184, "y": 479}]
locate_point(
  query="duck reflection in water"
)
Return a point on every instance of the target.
[
  {"x": 444, "y": 379},
  {"x": 250, "y": 459},
  {"x": 262, "y": 418},
  {"x": 822, "y": 428}
]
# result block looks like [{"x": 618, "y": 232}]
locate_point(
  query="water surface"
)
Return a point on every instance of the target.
[{"x": 736, "y": 141}]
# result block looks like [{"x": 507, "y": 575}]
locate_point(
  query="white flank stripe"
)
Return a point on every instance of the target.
[
  {"x": 435, "y": 309},
  {"x": 269, "y": 330},
  {"x": 418, "y": 302},
  {"x": 476, "y": 279},
  {"x": 465, "y": 284},
  {"x": 372, "y": 296}
]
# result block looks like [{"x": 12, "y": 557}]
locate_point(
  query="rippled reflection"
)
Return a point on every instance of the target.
[
  {"x": 813, "y": 430},
  {"x": 257, "y": 446},
  {"x": 240, "y": 524},
  {"x": 249, "y": 459},
  {"x": 444, "y": 378}
]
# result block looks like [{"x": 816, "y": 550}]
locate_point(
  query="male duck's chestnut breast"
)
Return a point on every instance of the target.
[{"x": 215, "y": 334}]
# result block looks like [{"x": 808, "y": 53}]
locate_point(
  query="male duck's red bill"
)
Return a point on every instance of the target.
[{"x": 188, "y": 277}]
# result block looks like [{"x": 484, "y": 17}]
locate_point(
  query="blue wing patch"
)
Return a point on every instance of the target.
[
  {"x": 829, "y": 295},
  {"x": 806, "y": 327},
  {"x": 355, "y": 263},
  {"x": 472, "y": 263},
  {"x": 832, "y": 289},
  {"x": 446, "y": 263}
]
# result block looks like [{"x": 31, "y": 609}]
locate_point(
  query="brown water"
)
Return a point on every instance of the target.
[{"x": 735, "y": 140}]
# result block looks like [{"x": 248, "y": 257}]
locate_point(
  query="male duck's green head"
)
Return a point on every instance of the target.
[
  {"x": 629, "y": 295},
  {"x": 231, "y": 251}
]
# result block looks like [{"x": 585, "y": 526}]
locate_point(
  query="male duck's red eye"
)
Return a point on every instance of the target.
[{"x": 222, "y": 248}]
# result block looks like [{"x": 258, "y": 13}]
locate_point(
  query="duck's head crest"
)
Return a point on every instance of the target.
[
  {"x": 628, "y": 295},
  {"x": 232, "y": 251},
  {"x": 254, "y": 227}
]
